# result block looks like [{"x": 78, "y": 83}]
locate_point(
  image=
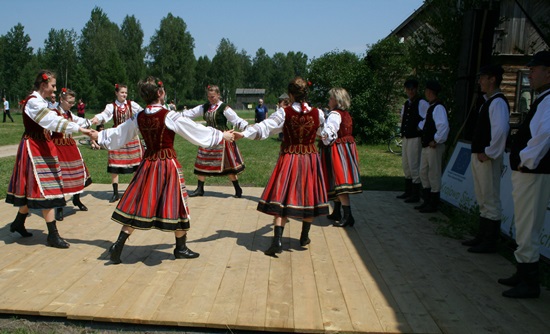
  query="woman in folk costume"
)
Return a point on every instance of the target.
[
  {"x": 37, "y": 180},
  {"x": 156, "y": 197},
  {"x": 339, "y": 157},
  {"x": 126, "y": 159},
  {"x": 74, "y": 170},
  {"x": 296, "y": 188},
  {"x": 224, "y": 159}
]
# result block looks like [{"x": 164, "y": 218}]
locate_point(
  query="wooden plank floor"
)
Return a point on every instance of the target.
[{"x": 389, "y": 274}]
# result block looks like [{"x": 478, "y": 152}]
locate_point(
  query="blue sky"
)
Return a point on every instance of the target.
[{"x": 313, "y": 27}]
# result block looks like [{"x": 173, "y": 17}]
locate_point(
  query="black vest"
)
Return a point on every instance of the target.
[
  {"x": 429, "y": 130},
  {"x": 482, "y": 133},
  {"x": 218, "y": 121},
  {"x": 411, "y": 118},
  {"x": 520, "y": 139}
]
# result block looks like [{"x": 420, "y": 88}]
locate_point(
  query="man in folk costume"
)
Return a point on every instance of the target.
[
  {"x": 488, "y": 145},
  {"x": 412, "y": 117},
  {"x": 530, "y": 163},
  {"x": 224, "y": 159},
  {"x": 126, "y": 159},
  {"x": 74, "y": 170},
  {"x": 37, "y": 180}
]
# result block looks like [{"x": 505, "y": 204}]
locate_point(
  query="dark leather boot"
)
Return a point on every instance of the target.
[
  {"x": 78, "y": 203},
  {"x": 408, "y": 189},
  {"x": 480, "y": 233},
  {"x": 336, "y": 214},
  {"x": 277, "y": 243},
  {"x": 347, "y": 220},
  {"x": 199, "y": 191},
  {"x": 489, "y": 242},
  {"x": 116, "y": 249},
  {"x": 54, "y": 240},
  {"x": 432, "y": 205},
  {"x": 528, "y": 287},
  {"x": 18, "y": 225},
  {"x": 304, "y": 236},
  {"x": 512, "y": 280},
  {"x": 59, "y": 214},
  {"x": 238, "y": 189},
  {"x": 415, "y": 194},
  {"x": 182, "y": 251},
  {"x": 115, "y": 193},
  {"x": 425, "y": 194}
]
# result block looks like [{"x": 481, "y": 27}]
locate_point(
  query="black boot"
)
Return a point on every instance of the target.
[
  {"x": 116, "y": 249},
  {"x": 78, "y": 203},
  {"x": 18, "y": 225},
  {"x": 528, "y": 287},
  {"x": 59, "y": 214},
  {"x": 336, "y": 215},
  {"x": 425, "y": 197},
  {"x": 182, "y": 251},
  {"x": 304, "y": 236},
  {"x": 433, "y": 204},
  {"x": 54, "y": 240},
  {"x": 115, "y": 193},
  {"x": 347, "y": 220},
  {"x": 490, "y": 238},
  {"x": 512, "y": 280},
  {"x": 199, "y": 191},
  {"x": 277, "y": 243},
  {"x": 415, "y": 194},
  {"x": 480, "y": 233},
  {"x": 408, "y": 189},
  {"x": 238, "y": 189}
]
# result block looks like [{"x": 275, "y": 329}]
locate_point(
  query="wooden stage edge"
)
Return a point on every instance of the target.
[{"x": 389, "y": 273}]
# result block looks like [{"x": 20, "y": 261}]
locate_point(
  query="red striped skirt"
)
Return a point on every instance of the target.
[
  {"x": 126, "y": 159},
  {"x": 219, "y": 160},
  {"x": 73, "y": 169},
  {"x": 341, "y": 169},
  {"x": 156, "y": 198},
  {"x": 296, "y": 188},
  {"x": 36, "y": 180}
]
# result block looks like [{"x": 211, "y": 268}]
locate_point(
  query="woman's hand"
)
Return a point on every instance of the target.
[
  {"x": 238, "y": 135},
  {"x": 228, "y": 135}
]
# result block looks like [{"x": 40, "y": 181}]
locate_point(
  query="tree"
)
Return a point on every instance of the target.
[
  {"x": 283, "y": 72},
  {"x": 262, "y": 69},
  {"x": 226, "y": 70},
  {"x": 16, "y": 55},
  {"x": 299, "y": 62},
  {"x": 172, "y": 58},
  {"x": 201, "y": 77},
  {"x": 100, "y": 57},
  {"x": 131, "y": 51},
  {"x": 59, "y": 55}
]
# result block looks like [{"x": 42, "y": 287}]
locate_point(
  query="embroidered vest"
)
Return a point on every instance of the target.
[
  {"x": 346, "y": 128},
  {"x": 120, "y": 116},
  {"x": 60, "y": 138},
  {"x": 299, "y": 131},
  {"x": 32, "y": 129},
  {"x": 158, "y": 138},
  {"x": 215, "y": 119}
]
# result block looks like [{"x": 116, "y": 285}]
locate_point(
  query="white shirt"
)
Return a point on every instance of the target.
[
  {"x": 6, "y": 105},
  {"x": 441, "y": 124},
  {"x": 197, "y": 134},
  {"x": 499, "y": 116},
  {"x": 37, "y": 109},
  {"x": 332, "y": 125},
  {"x": 539, "y": 144},
  {"x": 229, "y": 113},
  {"x": 274, "y": 124},
  {"x": 107, "y": 114}
]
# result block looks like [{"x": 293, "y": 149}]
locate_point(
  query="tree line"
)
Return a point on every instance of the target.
[{"x": 105, "y": 53}]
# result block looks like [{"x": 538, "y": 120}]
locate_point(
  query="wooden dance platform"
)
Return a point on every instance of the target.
[{"x": 390, "y": 273}]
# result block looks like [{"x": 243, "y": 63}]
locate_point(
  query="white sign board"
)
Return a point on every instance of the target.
[{"x": 457, "y": 188}]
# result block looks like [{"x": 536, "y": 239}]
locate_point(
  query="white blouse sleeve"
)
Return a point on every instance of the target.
[
  {"x": 232, "y": 117},
  {"x": 330, "y": 131},
  {"x": 195, "y": 133},
  {"x": 106, "y": 115},
  {"x": 38, "y": 111},
  {"x": 271, "y": 125},
  {"x": 115, "y": 138},
  {"x": 194, "y": 113}
]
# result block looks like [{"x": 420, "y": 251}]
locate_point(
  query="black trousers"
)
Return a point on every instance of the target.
[{"x": 7, "y": 112}]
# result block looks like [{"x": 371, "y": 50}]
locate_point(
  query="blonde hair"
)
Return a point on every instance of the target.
[{"x": 341, "y": 96}]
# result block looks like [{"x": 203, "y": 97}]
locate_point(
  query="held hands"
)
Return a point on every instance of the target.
[
  {"x": 228, "y": 136},
  {"x": 95, "y": 121},
  {"x": 238, "y": 135},
  {"x": 93, "y": 134}
]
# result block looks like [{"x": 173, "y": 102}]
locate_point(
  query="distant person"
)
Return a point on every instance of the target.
[
  {"x": 413, "y": 113},
  {"x": 172, "y": 105},
  {"x": 488, "y": 143},
  {"x": 6, "y": 110},
  {"x": 530, "y": 163},
  {"x": 434, "y": 136},
  {"x": 52, "y": 103},
  {"x": 260, "y": 111},
  {"x": 80, "y": 108}
]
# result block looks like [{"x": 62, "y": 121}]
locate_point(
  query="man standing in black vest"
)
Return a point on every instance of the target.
[
  {"x": 530, "y": 163},
  {"x": 488, "y": 143},
  {"x": 412, "y": 114},
  {"x": 434, "y": 136}
]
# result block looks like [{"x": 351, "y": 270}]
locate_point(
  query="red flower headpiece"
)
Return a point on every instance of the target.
[
  {"x": 309, "y": 83},
  {"x": 116, "y": 86},
  {"x": 63, "y": 90},
  {"x": 160, "y": 84},
  {"x": 45, "y": 77}
]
